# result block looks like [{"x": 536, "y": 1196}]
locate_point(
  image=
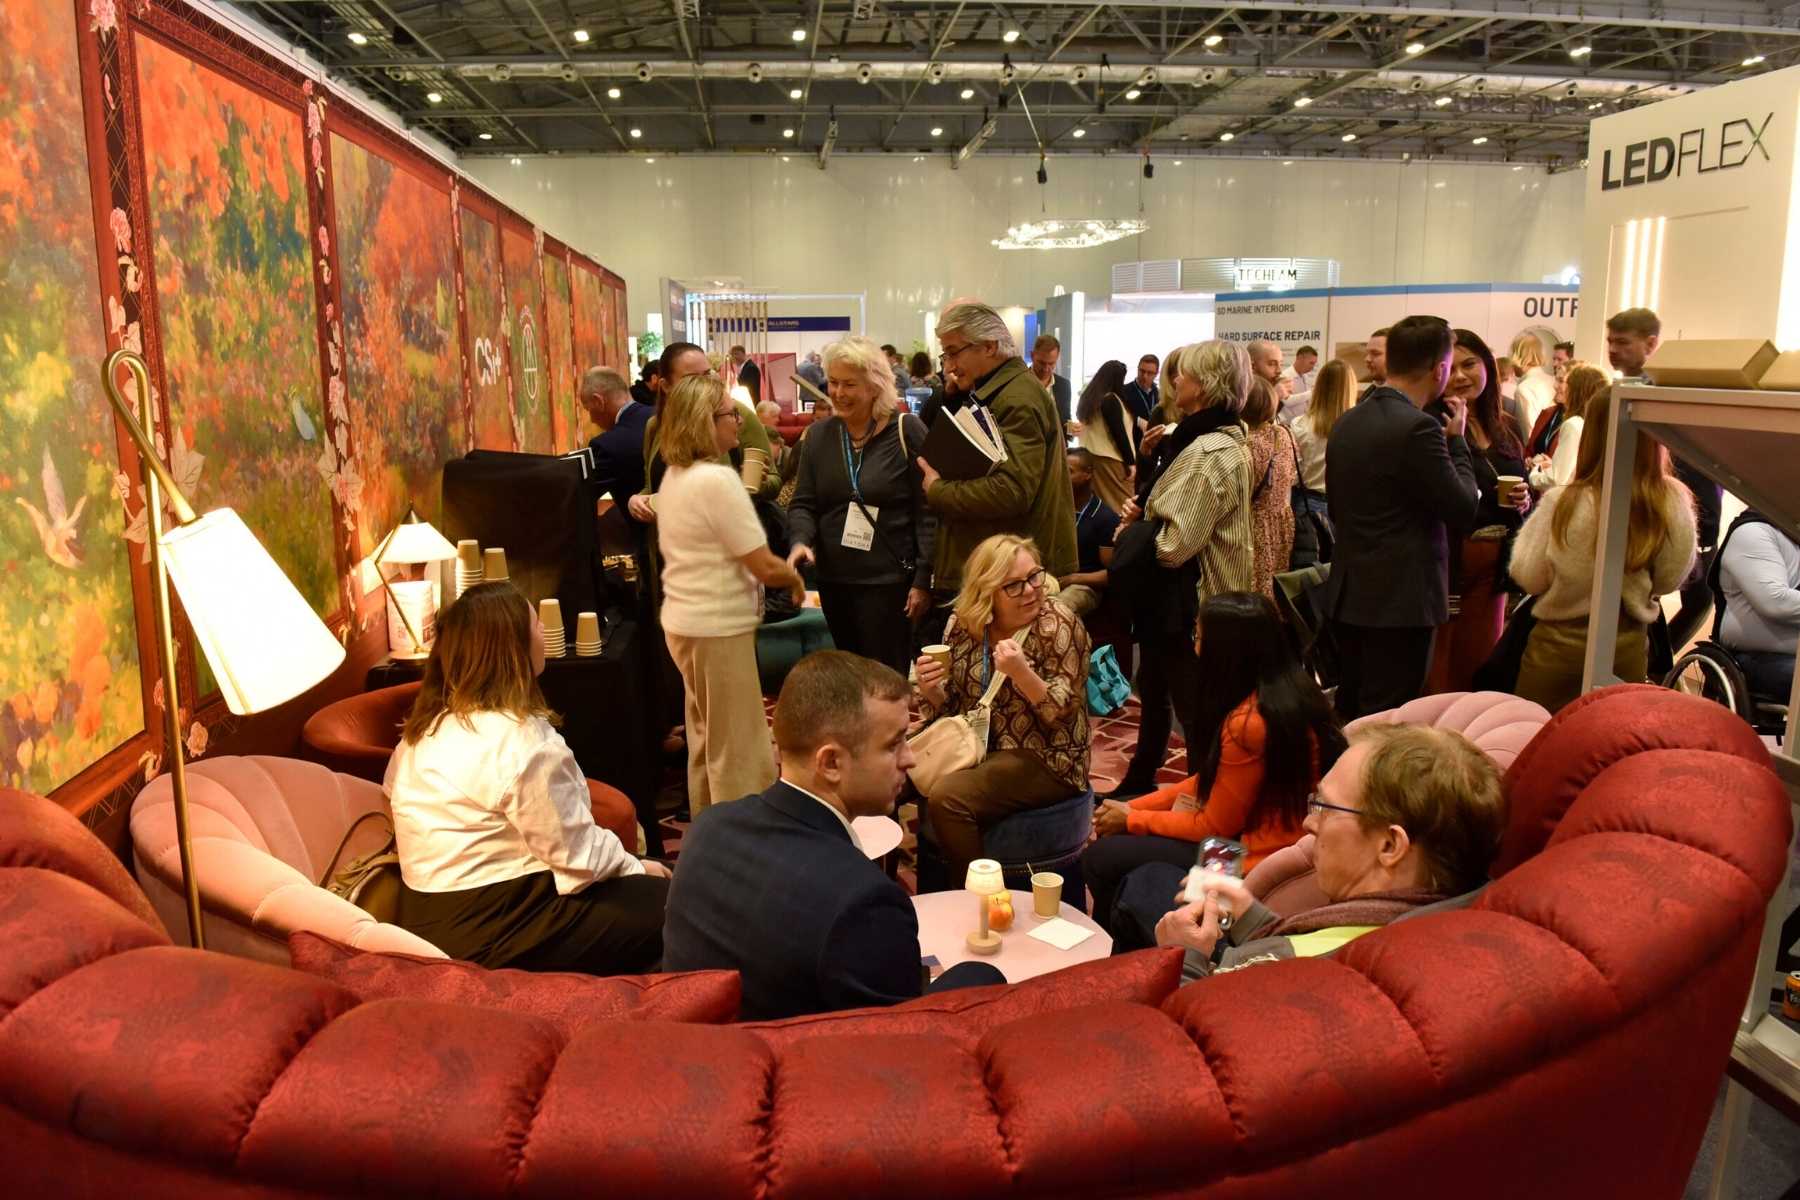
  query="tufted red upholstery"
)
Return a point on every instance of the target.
[{"x": 1562, "y": 1038}]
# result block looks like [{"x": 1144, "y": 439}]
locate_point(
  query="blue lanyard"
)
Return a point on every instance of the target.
[
  {"x": 1092, "y": 507},
  {"x": 852, "y": 467}
]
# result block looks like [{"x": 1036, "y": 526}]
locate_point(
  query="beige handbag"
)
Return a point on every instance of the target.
[{"x": 955, "y": 742}]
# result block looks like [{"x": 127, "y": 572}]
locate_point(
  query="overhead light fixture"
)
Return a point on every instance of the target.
[
  {"x": 580, "y": 35},
  {"x": 1010, "y": 36},
  {"x": 517, "y": 161},
  {"x": 1064, "y": 234},
  {"x": 486, "y": 137},
  {"x": 1302, "y": 101},
  {"x": 1755, "y": 60},
  {"x": 1080, "y": 133},
  {"x": 788, "y": 132},
  {"x": 968, "y": 93},
  {"x": 795, "y": 93},
  {"x": 1213, "y": 40},
  {"x": 1227, "y": 136},
  {"x": 358, "y": 38},
  {"x": 1581, "y": 51},
  {"x": 434, "y": 97},
  {"x": 937, "y": 131},
  {"x": 636, "y": 132},
  {"x": 1287, "y": 162},
  {"x": 1348, "y": 137},
  {"x": 1415, "y": 47},
  {"x": 1133, "y": 94},
  {"x": 650, "y": 160},
  {"x": 1478, "y": 141},
  {"x": 1596, "y": 104},
  {"x": 799, "y": 35},
  {"x": 785, "y": 158},
  {"x": 1178, "y": 162},
  {"x": 613, "y": 93},
  {"x": 1442, "y": 101}
]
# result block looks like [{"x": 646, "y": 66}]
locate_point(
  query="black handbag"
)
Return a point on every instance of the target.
[
  {"x": 1152, "y": 593},
  {"x": 1500, "y": 673}
]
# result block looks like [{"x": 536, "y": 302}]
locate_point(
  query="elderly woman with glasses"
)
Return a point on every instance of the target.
[
  {"x": 1004, "y": 625},
  {"x": 716, "y": 562}
]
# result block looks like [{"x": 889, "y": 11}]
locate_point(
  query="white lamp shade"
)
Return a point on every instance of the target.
[
  {"x": 417, "y": 542},
  {"x": 985, "y": 877},
  {"x": 263, "y": 640}
]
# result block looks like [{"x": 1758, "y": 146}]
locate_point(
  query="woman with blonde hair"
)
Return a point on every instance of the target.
[
  {"x": 1556, "y": 442},
  {"x": 1333, "y": 394},
  {"x": 858, "y": 511},
  {"x": 1274, "y": 469},
  {"x": 1553, "y": 560},
  {"x": 716, "y": 561},
  {"x": 1003, "y": 624},
  {"x": 1536, "y": 388},
  {"x": 1194, "y": 499},
  {"x": 501, "y": 862}
]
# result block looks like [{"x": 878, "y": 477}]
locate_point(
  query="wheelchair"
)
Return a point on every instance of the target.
[{"x": 1710, "y": 671}]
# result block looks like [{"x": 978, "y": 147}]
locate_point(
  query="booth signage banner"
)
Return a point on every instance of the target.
[
  {"x": 1289, "y": 320},
  {"x": 675, "y": 312},
  {"x": 809, "y": 324}
]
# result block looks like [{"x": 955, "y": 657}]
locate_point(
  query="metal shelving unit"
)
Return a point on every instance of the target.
[{"x": 1748, "y": 442}]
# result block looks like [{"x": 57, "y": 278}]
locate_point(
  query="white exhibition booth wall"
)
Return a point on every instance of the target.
[
  {"x": 1691, "y": 210},
  {"x": 1126, "y": 327}
]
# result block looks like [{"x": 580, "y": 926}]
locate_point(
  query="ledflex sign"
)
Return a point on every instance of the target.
[{"x": 1691, "y": 152}]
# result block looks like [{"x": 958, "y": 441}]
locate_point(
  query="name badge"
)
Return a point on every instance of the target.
[{"x": 859, "y": 531}]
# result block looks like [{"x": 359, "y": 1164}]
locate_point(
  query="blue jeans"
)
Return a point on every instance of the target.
[{"x": 1770, "y": 675}]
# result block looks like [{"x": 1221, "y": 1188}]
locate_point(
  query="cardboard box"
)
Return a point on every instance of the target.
[
  {"x": 1710, "y": 363},
  {"x": 1783, "y": 374}
]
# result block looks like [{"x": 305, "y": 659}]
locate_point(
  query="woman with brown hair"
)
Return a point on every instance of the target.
[
  {"x": 501, "y": 862},
  {"x": 1109, "y": 433},
  {"x": 1556, "y": 442},
  {"x": 1554, "y": 561}
]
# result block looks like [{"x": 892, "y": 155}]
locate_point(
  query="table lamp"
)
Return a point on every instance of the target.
[
  {"x": 260, "y": 636},
  {"x": 984, "y": 879},
  {"x": 414, "y": 540}
]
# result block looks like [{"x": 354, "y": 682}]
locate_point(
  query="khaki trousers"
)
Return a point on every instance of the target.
[
  {"x": 730, "y": 755},
  {"x": 1110, "y": 482},
  {"x": 966, "y": 801},
  {"x": 1550, "y": 672}
]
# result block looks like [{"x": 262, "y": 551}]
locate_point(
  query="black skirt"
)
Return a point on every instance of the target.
[{"x": 612, "y": 927}]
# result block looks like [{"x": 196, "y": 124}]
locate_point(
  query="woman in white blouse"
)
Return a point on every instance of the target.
[
  {"x": 1556, "y": 441},
  {"x": 501, "y": 862},
  {"x": 1536, "y": 389}
]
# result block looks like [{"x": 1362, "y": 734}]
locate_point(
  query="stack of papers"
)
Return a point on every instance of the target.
[{"x": 1064, "y": 935}]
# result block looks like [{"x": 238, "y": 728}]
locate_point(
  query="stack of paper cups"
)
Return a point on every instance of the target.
[
  {"x": 495, "y": 568},
  {"x": 756, "y": 465},
  {"x": 468, "y": 565},
  {"x": 587, "y": 634},
  {"x": 555, "y": 638}
]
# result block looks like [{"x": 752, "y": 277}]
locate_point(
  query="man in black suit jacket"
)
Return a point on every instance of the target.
[
  {"x": 777, "y": 887},
  {"x": 1046, "y": 352},
  {"x": 619, "y": 450},
  {"x": 748, "y": 373},
  {"x": 1397, "y": 479}
]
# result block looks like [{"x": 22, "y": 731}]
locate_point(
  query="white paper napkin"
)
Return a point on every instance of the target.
[{"x": 1064, "y": 935}]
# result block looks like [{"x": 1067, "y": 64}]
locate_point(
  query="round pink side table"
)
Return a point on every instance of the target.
[
  {"x": 880, "y": 836},
  {"x": 945, "y": 918}
]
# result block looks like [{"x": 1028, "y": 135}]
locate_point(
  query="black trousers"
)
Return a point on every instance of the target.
[
  {"x": 869, "y": 619},
  {"x": 1167, "y": 683},
  {"x": 1143, "y": 899},
  {"x": 1380, "y": 668},
  {"x": 613, "y": 927},
  {"x": 1108, "y": 861}
]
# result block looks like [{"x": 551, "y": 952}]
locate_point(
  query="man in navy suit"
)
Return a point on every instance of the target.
[
  {"x": 777, "y": 887},
  {"x": 619, "y": 450}
]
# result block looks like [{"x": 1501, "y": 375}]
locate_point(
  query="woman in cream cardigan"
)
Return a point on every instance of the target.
[{"x": 1553, "y": 560}]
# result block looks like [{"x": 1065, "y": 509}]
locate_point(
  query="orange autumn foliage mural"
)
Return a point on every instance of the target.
[
  {"x": 486, "y": 321},
  {"x": 564, "y": 376},
  {"x": 526, "y": 352},
  {"x": 590, "y": 343}
]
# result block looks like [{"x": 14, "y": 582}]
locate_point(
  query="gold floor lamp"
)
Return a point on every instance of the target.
[{"x": 262, "y": 639}]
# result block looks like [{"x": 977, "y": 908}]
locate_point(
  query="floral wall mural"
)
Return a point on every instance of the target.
[
  {"x": 400, "y": 334},
  {"x": 590, "y": 341},
  {"x": 226, "y": 184},
  {"x": 69, "y": 684},
  {"x": 564, "y": 377},
  {"x": 532, "y": 396},
  {"x": 495, "y": 428}
]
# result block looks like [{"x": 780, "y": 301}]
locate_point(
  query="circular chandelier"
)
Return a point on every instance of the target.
[{"x": 1060, "y": 234}]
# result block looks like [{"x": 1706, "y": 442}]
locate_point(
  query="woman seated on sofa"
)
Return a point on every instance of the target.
[
  {"x": 1004, "y": 625},
  {"x": 1266, "y": 732},
  {"x": 1410, "y": 816},
  {"x": 501, "y": 862}
]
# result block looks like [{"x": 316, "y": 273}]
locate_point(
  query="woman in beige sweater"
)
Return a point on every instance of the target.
[{"x": 1553, "y": 559}]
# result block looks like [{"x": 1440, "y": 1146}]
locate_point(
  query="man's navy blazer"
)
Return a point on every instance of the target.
[{"x": 773, "y": 887}]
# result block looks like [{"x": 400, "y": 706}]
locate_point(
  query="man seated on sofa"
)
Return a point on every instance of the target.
[
  {"x": 777, "y": 886},
  {"x": 1411, "y": 816}
]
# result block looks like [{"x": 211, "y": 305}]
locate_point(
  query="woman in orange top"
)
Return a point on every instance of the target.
[{"x": 1264, "y": 736}]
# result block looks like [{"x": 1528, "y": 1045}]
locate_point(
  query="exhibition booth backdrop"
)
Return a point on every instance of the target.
[{"x": 328, "y": 311}]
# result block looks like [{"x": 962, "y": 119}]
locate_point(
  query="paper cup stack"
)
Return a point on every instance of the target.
[
  {"x": 555, "y": 637},
  {"x": 468, "y": 565},
  {"x": 587, "y": 635},
  {"x": 494, "y": 568}
]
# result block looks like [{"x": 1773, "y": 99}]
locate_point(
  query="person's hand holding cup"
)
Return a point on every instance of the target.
[
  {"x": 933, "y": 668},
  {"x": 1514, "y": 493}
]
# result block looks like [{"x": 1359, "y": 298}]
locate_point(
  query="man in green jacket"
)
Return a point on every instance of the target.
[{"x": 1029, "y": 493}]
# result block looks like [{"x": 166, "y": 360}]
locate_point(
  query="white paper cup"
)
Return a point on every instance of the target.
[{"x": 494, "y": 564}]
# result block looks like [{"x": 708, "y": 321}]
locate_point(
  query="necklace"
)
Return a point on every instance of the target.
[{"x": 867, "y": 433}]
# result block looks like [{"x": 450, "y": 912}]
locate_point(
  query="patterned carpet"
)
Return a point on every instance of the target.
[{"x": 1112, "y": 740}]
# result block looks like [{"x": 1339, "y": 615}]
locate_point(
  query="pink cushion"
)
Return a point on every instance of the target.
[
  {"x": 965, "y": 1015},
  {"x": 1500, "y": 724},
  {"x": 568, "y": 1001}
]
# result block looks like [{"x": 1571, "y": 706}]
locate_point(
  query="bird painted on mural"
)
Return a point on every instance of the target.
[
  {"x": 56, "y": 527},
  {"x": 302, "y": 420}
]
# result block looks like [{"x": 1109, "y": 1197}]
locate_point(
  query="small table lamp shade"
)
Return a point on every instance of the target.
[
  {"x": 263, "y": 640},
  {"x": 416, "y": 541},
  {"x": 984, "y": 879}
]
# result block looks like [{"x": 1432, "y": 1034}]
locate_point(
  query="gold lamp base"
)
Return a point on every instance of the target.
[{"x": 983, "y": 943}]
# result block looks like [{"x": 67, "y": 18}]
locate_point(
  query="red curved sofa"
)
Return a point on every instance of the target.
[{"x": 1564, "y": 1036}]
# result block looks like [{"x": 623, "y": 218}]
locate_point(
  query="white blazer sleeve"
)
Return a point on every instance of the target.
[{"x": 548, "y": 804}]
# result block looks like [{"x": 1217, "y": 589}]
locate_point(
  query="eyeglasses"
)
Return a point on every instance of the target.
[
  {"x": 735, "y": 413},
  {"x": 952, "y": 355},
  {"x": 1314, "y": 804},
  {"x": 1016, "y": 587}
]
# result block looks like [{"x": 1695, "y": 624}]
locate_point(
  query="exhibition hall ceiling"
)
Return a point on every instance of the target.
[{"x": 1449, "y": 80}]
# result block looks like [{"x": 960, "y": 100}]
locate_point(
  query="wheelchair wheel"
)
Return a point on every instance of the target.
[{"x": 1709, "y": 671}]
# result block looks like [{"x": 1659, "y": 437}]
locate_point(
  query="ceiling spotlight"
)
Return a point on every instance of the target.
[
  {"x": 799, "y": 35},
  {"x": 1010, "y": 36},
  {"x": 1302, "y": 101},
  {"x": 1480, "y": 85},
  {"x": 1133, "y": 94},
  {"x": 501, "y": 73},
  {"x": 937, "y": 131},
  {"x": 1755, "y": 60},
  {"x": 754, "y": 72},
  {"x": 434, "y": 97},
  {"x": 649, "y": 160},
  {"x": 486, "y": 137},
  {"x": 1348, "y": 137},
  {"x": 785, "y": 158},
  {"x": 1208, "y": 74},
  {"x": 1178, "y": 162},
  {"x": 1007, "y": 71},
  {"x": 1080, "y": 133},
  {"x": 1079, "y": 74},
  {"x": 518, "y": 162},
  {"x": 1417, "y": 84},
  {"x": 1596, "y": 104},
  {"x": 1287, "y": 162},
  {"x": 795, "y": 93},
  {"x": 1213, "y": 40},
  {"x": 968, "y": 93},
  {"x": 788, "y": 132},
  {"x": 1478, "y": 141},
  {"x": 1572, "y": 91},
  {"x": 567, "y": 73},
  {"x": 643, "y": 72},
  {"x": 1043, "y": 176},
  {"x": 864, "y": 72},
  {"x": 636, "y": 132},
  {"x": 580, "y": 35},
  {"x": 1415, "y": 47},
  {"x": 1149, "y": 169},
  {"x": 935, "y": 72},
  {"x": 1581, "y": 51},
  {"x": 358, "y": 38},
  {"x": 1443, "y": 101},
  {"x": 1227, "y": 136}
]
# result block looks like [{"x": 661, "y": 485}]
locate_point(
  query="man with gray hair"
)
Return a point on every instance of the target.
[
  {"x": 619, "y": 449},
  {"x": 1029, "y": 493}
]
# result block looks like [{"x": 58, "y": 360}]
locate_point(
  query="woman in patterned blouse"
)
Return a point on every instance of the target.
[{"x": 1038, "y": 730}]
